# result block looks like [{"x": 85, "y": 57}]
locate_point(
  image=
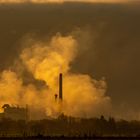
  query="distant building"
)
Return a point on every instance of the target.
[{"x": 14, "y": 113}]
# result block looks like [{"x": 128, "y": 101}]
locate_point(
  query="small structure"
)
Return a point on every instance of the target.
[
  {"x": 56, "y": 96},
  {"x": 14, "y": 113}
]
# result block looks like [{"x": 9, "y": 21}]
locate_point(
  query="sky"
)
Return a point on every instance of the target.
[
  {"x": 107, "y": 56},
  {"x": 61, "y": 1}
]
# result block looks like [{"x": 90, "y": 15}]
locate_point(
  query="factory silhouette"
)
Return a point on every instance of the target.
[
  {"x": 22, "y": 113},
  {"x": 15, "y": 123}
]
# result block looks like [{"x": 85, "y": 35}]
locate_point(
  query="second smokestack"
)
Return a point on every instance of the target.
[{"x": 61, "y": 86}]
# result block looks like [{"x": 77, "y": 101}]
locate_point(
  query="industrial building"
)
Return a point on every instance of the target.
[{"x": 14, "y": 112}]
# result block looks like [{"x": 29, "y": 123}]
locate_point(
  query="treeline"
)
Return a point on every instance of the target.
[{"x": 69, "y": 126}]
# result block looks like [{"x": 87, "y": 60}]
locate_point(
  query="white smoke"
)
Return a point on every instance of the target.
[
  {"x": 46, "y": 60},
  {"x": 83, "y": 96}
]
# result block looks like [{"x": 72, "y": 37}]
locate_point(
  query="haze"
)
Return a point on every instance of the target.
[
  {"x": 108, "y": 36},
  {"x": 61, "y": 1}
]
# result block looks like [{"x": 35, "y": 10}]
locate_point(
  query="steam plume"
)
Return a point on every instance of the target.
[{"x": 83, "y": 96}]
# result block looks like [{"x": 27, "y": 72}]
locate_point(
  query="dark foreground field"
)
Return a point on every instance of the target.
[{"x": 71, "y": 138}]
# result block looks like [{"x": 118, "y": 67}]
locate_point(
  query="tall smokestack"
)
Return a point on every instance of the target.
[{"x": 60, "y": 86}]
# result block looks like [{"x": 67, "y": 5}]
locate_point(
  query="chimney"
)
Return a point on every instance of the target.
[{"x": 61, "y": 86}]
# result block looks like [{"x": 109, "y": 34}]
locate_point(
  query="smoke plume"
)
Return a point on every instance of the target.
[{"x": 83, "y": 96}]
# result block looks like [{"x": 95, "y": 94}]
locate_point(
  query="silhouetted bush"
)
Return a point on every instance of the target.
[{"x": 69, "y": 126}]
